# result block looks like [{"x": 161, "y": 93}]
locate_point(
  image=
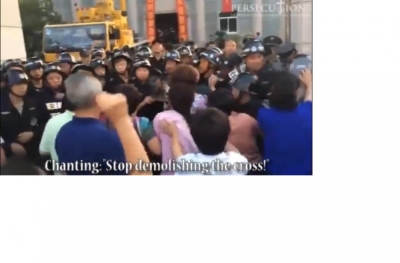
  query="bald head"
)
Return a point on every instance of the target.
[{"x": 81, "y": 90}]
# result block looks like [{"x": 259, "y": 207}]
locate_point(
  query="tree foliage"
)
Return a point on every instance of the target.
[{"x": 35, "y": 14}]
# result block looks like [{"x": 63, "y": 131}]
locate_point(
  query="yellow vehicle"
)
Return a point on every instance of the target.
[{"x": 101, "y": 24}]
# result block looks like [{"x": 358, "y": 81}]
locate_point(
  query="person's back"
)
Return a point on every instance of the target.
[
  {"x": 288, "y": 140},
  {"x": 85, "y": 145},
  {"x": 287, "y": 128},
  {"x": 89, "y": 142}
]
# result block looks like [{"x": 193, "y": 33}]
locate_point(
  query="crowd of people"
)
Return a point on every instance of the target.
[{"x": 186, "y": 111}]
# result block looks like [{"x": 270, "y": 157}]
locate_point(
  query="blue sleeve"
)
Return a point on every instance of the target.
[{"x": 114, "y": 153}]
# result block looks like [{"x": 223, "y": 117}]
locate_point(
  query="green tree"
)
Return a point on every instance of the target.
[{"x": 35, "y": 14}]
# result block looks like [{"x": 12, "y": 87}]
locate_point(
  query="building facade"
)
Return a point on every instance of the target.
[
  {"x": 12, "y": 38},
  {"x": 269, "y": 17}
]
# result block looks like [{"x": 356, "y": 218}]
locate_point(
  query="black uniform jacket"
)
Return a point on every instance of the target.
[
  {"x": 114, "y": 80},
  {"x": 157, "y": 63},
  {"x": 47, "y": 106},
  {"x": 12, "y": 122}
]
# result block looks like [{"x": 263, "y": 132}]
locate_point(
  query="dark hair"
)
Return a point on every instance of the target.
[
  {"x": 210, "y": 130},
  {"x": 67, "y": 104},
  {"x": 221, "y": 99},
  {"x": 132, "y": 94},
  {"x": 210, "y": 43},
  {"x": 156, "y": 41},
  {"x": 258, "y": 33},
  {"x": 284, "y": 91},
  {"x": 182, "y": 84},
  {"x": 20, "y": 166},
  {"x": 169, "y": 47}
]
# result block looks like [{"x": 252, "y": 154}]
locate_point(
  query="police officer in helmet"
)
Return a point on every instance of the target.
[
  {"x": 34, "y": 69},
  {"x": 18, "y": 116},
  {"x": 66, "y": 62}
]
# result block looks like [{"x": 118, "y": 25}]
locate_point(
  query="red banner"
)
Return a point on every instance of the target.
[{"x": 226, "y": 6}]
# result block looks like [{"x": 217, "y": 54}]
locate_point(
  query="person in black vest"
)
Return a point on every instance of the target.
[
  {"x": 18, "y": 116},
  {"x": 122, "y": 66},
  {"x": 50, "y": 101},
  {"x": 66, "y": 62},
  {"x": 146, "y": 83}
]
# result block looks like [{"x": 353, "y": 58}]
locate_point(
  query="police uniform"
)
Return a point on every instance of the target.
[
  {"x": 34, "y": 86},
  {"x": 185, "y": 52},
  {"x": 66, "y": 58},
  {"x": 116, "y": 79},
  {"x": 265, "y": 75},
  {"x": 211, "y": 56},
  {"x": 49, "y": 103},
  {"x": 16, "y": 120},
  {"x": 100, "y": 63},
  {"x": 148, "y": 88},
  {"x": 172, "y": 55},
  {"x": 291, "y": 60}
]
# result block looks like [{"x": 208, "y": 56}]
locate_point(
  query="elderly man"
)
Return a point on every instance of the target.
[{"x": 85, "y": 146}]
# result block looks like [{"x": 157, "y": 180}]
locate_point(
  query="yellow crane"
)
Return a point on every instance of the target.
[{"x": 103, "y": 24}]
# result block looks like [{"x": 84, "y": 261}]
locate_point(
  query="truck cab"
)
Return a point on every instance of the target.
[{"x": 73, "y": 38}]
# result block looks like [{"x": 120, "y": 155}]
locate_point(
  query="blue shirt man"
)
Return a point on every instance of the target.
[
  {"x": 287, "y": 139},
  {"x": 88, "y": 142}
]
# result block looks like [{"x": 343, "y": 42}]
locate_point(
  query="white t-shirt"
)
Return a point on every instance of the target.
[
  {"x": 2, "y": 141},
  {"x": 226, "y": 163}
]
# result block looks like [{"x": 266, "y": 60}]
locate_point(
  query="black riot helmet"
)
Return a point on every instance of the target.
[
  {"x": 286, "y": 51},
  {"x": 15, "y": 77},
  {"x": 210, "y": 55},
  {"x": 248, "y": 38},
  {"x": 81, "y": 67},
  {"x": 144, "y": 52},
  {"x": 272, "y": 41},
  {"x": 34, "y": 63},
  {"x": 145, "y": 63},
  {"x": 66, "y": 58},
  {"x": 172, "y": 55},
  {"x": 254, "y": 47},
  {"x": 120, "y": 55},
  {"x": 13, "y": 63},
  {"x": 97, "y": 53},
  {"x": 84, "y": 53},
  {"x": 53, "y": 68},
  {"x": 191, "y": 45},
  {"x": 98, "y": 63},
  {"x": 242, "y": 81},
  {"x": 184, "y": 51}
]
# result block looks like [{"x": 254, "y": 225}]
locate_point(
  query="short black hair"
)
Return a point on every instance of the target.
[
  {"x": 156, "y": 41},
  {"x": 222, "y": 99},
  {"x": 258, "y": 33},
  {"x": 132, "y": 94},
  {"x": 20, "y": 166},
  {"x": 284, "y": 91},
  {"x": 169, "y": 47},
  {"x": 210, "y": 130}
]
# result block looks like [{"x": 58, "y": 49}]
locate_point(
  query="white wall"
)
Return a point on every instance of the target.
[
  {"x": 301, "y": 23},
  {"x": 12, "y": 39}
]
